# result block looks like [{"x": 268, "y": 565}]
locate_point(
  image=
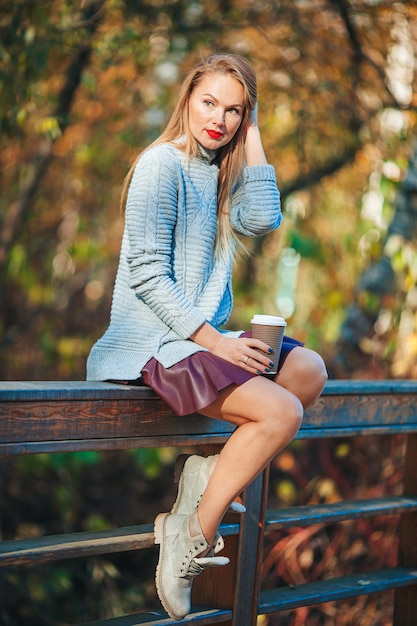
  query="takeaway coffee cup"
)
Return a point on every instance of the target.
[{"x": 270, "y": 330}]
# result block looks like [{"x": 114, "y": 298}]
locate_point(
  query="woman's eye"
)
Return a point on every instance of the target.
[{"x": 208, "y": 103}]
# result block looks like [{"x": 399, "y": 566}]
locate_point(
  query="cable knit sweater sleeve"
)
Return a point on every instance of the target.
[
  {"x": 256, "y": 205},
  {"x": 151, "y": 215}
]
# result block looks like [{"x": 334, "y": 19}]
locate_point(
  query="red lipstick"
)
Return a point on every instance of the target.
[{"x": 214, "y": 134}]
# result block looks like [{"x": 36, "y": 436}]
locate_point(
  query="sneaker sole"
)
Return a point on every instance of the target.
[{"x": 159, "y": 526}]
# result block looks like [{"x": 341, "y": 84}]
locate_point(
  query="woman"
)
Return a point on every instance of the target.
[{"x": 204, "y": 180}]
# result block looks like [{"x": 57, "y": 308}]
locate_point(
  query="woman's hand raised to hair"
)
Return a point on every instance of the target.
[
  {"x": 255, "y": 154},
  {"x": 253, "y": 117}
]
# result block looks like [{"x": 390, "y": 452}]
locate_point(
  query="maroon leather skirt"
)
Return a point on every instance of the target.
[{"x": 194, "y": 383}]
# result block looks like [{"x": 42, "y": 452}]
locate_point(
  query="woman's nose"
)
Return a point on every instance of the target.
[{"x": 219, "y": 116}]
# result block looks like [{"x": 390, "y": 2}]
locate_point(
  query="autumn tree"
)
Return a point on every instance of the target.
[{"x": 85, "y": 88}]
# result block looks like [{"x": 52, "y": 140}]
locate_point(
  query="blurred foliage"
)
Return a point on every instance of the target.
[
  {"x": 86, "y": 86},
  {"x": 88, "y": 491},
  {"x": 322, "y": 472},
  {"x": 83, "y": 88}
]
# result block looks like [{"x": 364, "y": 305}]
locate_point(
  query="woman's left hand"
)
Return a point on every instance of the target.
[
  {"x": 251, "y": 354},
  {"x": 244, "y": 352},
  {"x": 255, "y": 154},
  {"x": 253, "y": 117}
]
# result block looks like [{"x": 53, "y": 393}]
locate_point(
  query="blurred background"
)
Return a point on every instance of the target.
[{"x": 84, "y": 86}]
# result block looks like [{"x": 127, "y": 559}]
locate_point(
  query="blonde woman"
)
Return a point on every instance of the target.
[{"x": 202, "y": 182}]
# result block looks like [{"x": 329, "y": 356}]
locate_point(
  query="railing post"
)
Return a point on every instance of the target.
[
  {"x": 237, "y": 585},
  {"x": 250, "y": 554},
  {"x": 405, "y": 604}
]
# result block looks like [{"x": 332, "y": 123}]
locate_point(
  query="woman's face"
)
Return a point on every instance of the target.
[{"x": 215, "y": 110}]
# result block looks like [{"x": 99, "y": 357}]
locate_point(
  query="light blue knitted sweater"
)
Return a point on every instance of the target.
[{"x": 168, "y": 281}]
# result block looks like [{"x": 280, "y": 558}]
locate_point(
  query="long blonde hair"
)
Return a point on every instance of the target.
[{"x": 230, "y": 157}]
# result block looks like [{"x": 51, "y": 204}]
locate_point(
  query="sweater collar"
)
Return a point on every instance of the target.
[{"x": 207, "y": 155}]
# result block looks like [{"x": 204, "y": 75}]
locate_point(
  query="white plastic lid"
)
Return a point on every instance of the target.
[{"x": 268, "y": 320}]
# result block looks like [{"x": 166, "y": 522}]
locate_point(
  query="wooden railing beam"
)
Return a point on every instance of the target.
[{"x": 59, "y": 416}]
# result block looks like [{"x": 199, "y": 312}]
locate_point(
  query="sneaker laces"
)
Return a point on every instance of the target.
[
  {"x": 194, "y": 565},
  {"x": 198, "y": 564}
]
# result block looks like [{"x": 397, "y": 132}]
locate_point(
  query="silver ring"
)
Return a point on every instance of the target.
[{"x": 246, "y": 360}]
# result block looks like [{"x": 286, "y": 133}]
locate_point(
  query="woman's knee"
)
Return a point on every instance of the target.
[
  {"x": 293, "y": 416},
  {"x": 309, "y": 363},
  {"x": 272, "y": 407},
  {"x": 315, "y": 369},
  {"x": 282, "y": 419},
  {"x": 304, "y": 373}
]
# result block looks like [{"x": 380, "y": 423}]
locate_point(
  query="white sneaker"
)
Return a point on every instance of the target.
[
  {"x": 192, "y": 474},
  {"x": 181, "y": 541}
]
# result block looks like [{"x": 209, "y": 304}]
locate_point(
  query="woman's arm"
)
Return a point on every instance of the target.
[
  {"x": 229, "y": 348},
  {"x": 255, "y": 204}
]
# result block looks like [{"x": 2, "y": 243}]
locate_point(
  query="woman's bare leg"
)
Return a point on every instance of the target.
[{"x": 268, "y": 417}]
